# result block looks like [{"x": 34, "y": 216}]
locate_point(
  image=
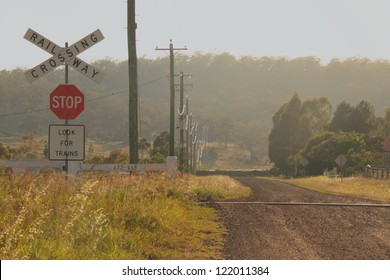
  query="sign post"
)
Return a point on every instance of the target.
[
  {"x": 341, "y": 160},
  {"x": 66, "y": 101},
  {"x": 304, "y": 163}
]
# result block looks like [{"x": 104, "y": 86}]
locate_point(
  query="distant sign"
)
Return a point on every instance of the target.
[
  {"x": 341, "y": 160},
  {"x": 62, "y": 56},
  {"x": 304, "y": 162},
  {"x": 386, "y": 144},
  {"x": 67, "y": 142}
]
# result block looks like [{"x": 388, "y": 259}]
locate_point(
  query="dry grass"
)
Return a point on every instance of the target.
[
  {"x": 218, "y": 188},
  {"x": 111, "y": 217},
  {"x": 353, "y": 186}
]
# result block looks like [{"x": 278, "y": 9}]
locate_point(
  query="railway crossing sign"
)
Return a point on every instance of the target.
[
  {"x": 62, "y": 56},
  {"x": 67, "y": 102}
]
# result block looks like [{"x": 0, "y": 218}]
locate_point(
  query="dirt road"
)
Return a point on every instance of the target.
[{"x": 286, "y": 232}]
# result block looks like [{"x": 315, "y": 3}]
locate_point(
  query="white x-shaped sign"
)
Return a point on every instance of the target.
[{"x": 62, "y": 56}]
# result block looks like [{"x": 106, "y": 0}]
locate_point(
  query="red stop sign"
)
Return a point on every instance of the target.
[{"x": 67, "y": 102}]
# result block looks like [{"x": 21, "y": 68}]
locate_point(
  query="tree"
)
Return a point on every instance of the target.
[
  {"x": 341, "y": 118},
  {"x": 315, "y": 114},
  {"x": 363, "y": 118},
  {"x": 283, "y": 143},
  {"x": 294, "y": 124},
  {"x": 144, "y": 144},
  {"x": 360, "y": 150},
  {"x": 116, "y": 157},
  {"x": 384, "y": 124},
  {"x": 348, "y": 118},
  {"x": 144, "y": 147},
  {"x": 161, "y": 145}
]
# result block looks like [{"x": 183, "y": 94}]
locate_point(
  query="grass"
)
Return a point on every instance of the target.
[
  {"x": 209, "y": 188},
  {"x": 112, "y": 217},
  {"x": 359, "y": 187}
]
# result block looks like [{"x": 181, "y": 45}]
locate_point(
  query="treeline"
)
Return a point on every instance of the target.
[
  {"x": 307, "y": 138},
  {"x": 235, "y": 97}
]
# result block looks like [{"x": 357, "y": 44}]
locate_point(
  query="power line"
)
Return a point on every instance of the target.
[
  {"x": 153, "y": 81},
  {"x": 23, "y": 113},
  {"x": 89, "y": 100},
  {"x": 226, "y": 124}
]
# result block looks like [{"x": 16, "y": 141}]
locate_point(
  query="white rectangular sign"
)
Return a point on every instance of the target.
[
  {"x": 63, "y": 55},
  {"x": 67, "y": 142}
]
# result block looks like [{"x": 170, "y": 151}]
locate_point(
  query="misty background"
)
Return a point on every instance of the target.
[{"x": 235, "y": 97}]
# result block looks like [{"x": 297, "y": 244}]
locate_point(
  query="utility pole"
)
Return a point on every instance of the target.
[
  {"x": 66, "y": 121},
  {"x": 193, "y": 128},
  {"x": 181, "y": 116},
  {"x": 188, "y": 127},
  {"x": 182, "y": 165},
  {"x": 172, "y": 104},
  {"x": 133, "y": 82}
]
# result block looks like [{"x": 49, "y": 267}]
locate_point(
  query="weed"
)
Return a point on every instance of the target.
[
  {"x": 359, "y": 187},
  {"x": 111, "y": 217}
]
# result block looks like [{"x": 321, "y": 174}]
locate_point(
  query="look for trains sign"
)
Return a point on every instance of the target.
[
  {"x": 66, "y": 142},
  {"x": 62, "y": 56}
]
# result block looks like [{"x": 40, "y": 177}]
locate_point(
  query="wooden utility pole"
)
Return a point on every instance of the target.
[
  {"x": 172, "y": 105},
  {"x": 182, "y": 116},
  {"x": 133, "y": 82},
  {"x": 188, "y": 127},
  {"x": 66, "y": 121}
]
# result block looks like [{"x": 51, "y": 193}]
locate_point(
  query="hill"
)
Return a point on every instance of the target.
[{"x": 235, "y": 97}]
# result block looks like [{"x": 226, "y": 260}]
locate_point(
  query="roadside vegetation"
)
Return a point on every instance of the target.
[
  {"x": 112, "y": 216},
  {"x": 358, "y": 187},
  {"x": 306, "y": 139}
]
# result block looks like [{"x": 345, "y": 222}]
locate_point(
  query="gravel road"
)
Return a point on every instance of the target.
[{"x": 303, "y": 232}]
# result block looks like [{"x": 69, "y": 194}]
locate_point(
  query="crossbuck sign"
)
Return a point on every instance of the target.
[{"x": 62, "y": 56}]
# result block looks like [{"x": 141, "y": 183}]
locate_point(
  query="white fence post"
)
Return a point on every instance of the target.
[{"x": 172, "y": 166}]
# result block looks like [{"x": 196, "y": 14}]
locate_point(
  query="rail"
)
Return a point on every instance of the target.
[{"x": 281, "y": 203}]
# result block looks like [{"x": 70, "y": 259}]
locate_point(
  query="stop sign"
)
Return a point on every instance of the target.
[{"x": 67, "y": 102}]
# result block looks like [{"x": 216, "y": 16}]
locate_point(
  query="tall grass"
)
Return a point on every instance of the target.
[
  {"x": 111, "y": 217},
  {"x": 368, "y": 188}
]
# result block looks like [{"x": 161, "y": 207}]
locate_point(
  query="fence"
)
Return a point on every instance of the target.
[
  {"x": 377, "y": 172},
  {"x": 77, "y": 168}
]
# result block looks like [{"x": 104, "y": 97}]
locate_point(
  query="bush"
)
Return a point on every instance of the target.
[
  {"x": 359, "y": 149},
  {"x": 4, "y": 152},
  {"x": 114, "y": 157}
]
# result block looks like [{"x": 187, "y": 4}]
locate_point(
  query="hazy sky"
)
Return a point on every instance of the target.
[{"x": 291, "y": 28}]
